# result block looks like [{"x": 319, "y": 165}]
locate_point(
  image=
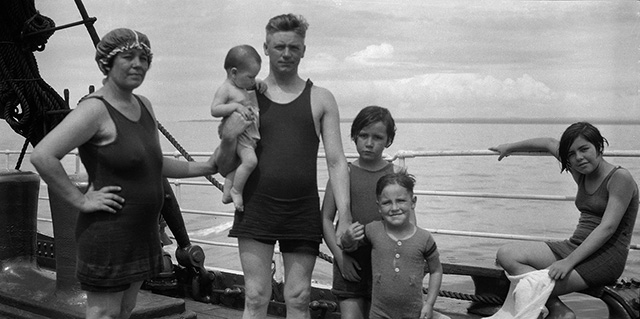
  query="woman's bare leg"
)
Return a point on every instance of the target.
[{"x": 112, "y": 305}]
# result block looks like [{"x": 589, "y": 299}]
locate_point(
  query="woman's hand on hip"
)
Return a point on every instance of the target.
[{"x": 103, "y": 199}]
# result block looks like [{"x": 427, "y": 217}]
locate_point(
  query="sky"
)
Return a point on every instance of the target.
[{"x": 421, "y": 59}]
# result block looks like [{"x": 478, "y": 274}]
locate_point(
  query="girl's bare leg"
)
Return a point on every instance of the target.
[
  {"x": 354, "y": 308},
  {"x": 520, "y": 258},
  {"x": 523, "y": 257},
  {"x": 558, "y": 310},
  {"x": 572, "y": 283}
]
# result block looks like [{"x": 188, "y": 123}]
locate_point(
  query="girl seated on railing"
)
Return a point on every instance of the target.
[{"x": 607, "y": 199}]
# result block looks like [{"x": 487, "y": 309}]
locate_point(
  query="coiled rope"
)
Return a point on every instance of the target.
[
  {"x": 25, "y": 98},
  {"x": 489, "y": 300}
]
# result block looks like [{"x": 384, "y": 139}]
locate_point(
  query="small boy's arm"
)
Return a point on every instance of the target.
[
  {"x": 435, "y": 281},
  {"x": 353, "y": 237}
]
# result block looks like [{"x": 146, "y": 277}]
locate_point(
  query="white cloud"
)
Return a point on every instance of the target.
[
  {"x": 373, "y": 55},
  {"x": 452, "y": 94},
  {"x": 461, "y": 86},
  {"x": 507, "y": 59}
]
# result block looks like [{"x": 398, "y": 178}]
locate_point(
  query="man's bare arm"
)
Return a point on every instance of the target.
[{"x": 336, "y": 160}]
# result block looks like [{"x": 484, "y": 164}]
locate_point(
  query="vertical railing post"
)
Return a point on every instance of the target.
[
  {"x": 6, "y": 164},
  {"x": 78, "y": 163}
]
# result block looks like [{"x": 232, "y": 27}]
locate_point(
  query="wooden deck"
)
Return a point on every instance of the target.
[{"x": 455, "y": 309}]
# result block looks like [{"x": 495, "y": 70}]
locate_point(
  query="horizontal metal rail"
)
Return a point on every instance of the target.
[
  {"x": 496, "y": 195},
  {"x": 502, "y": 236},
  {"x": 400, "y": 156}
]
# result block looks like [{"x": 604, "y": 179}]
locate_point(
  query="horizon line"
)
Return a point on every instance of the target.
[{"x": 480, "y": 120}]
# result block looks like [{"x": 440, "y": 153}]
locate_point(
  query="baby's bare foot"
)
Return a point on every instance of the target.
[
  {"x": 236, "y": 196},
  {"x": 226, "y": 198}
]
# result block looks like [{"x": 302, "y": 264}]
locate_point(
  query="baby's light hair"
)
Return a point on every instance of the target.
[{"x": 241, "y": 56}]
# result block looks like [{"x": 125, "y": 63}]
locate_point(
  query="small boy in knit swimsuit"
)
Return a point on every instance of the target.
[
  {"x": 237, "y": 94},
  {"x": 400, "y": 250}
]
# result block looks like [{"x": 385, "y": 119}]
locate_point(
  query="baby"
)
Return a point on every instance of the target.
[{"x": 237, "y": 94}]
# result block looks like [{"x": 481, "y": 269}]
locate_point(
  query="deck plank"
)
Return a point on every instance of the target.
[
  {"x": 211, "y": 311},
  {"x": 456, "y": 309}
]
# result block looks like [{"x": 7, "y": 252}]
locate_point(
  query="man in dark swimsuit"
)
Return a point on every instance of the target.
[{"x": 281, "y": 196}]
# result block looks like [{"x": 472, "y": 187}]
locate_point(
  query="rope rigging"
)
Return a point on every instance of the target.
[
  {"x": 25, "y": 98},
  {"x": 185, "y": 154}
]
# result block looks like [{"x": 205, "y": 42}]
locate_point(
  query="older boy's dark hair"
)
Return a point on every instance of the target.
[
  {"x": 239, "y": 57},
  {"x": 401, "y": 178},
  {"x": 575, "y": 130},
  {"x": 288, "y": 22},
  {"x": 372, "y": 114}
]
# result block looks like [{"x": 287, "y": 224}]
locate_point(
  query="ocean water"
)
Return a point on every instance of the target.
[{"x": 539, "y": 175}]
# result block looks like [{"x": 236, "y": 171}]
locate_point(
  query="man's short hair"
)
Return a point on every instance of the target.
[{"x": 288, "y": 22}]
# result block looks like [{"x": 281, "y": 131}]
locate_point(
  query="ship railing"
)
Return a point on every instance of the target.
[{"x": 400, "y": 158}]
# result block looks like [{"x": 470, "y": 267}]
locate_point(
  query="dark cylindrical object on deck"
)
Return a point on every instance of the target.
[
  {"x": 64, "y": 218},
  {"x": 18, "y": 214}
]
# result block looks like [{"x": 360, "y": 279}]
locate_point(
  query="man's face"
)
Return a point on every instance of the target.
[{"x": 284, "y": 49}]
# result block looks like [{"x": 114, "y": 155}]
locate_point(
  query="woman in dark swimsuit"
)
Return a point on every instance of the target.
[{"x": 116, "y": 134}]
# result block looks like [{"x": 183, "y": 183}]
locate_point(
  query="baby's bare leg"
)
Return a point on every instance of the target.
[
  {"x": 226, "y": 189},
  {"x": 248, "y": 162}
]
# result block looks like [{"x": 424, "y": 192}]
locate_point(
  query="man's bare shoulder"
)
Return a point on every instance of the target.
[{"x": 322, "y": 97}]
